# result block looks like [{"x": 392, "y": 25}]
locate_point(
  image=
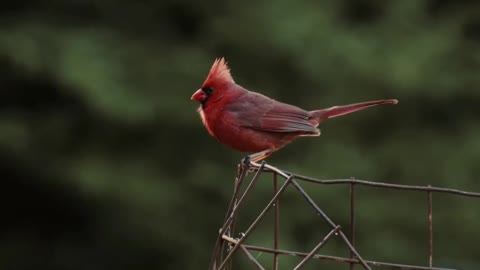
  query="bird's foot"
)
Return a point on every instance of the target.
[
  {"x": 244, "y": 164},
  {"x": 255, "y": 157},
  {"x": 246, "y": 161}
]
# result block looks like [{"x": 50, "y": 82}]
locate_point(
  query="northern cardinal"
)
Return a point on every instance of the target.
[{"x": 251, "y": 122}]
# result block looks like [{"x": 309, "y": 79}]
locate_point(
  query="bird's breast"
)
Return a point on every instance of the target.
[{"x": 206, "y": 121}]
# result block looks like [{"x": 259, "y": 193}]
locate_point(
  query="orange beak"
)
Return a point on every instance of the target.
[{"x": 199, "y": 95}]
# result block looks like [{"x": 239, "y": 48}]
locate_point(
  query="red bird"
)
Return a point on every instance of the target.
[{"x": 251, "y": 122}]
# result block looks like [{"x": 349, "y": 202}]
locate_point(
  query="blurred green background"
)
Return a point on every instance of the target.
[{"x": 106, "y": 165}]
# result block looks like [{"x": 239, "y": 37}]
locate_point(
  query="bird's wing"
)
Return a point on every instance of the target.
[{"x": 259, "y": 112}]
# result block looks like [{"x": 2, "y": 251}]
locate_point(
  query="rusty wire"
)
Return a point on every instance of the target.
[{"x": 226, "y": 245}]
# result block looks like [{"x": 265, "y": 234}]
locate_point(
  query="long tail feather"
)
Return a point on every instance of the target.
[{"x": 335, "y": 111}]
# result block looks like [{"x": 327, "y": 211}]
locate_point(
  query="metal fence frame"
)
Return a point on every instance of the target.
[{"x": 226, "y": 245}]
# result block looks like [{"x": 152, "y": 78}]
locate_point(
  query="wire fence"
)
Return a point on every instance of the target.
[{"x": 226, "y": 246}]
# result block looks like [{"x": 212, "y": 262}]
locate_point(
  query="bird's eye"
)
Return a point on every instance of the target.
[{"x": 207, "y": 90}]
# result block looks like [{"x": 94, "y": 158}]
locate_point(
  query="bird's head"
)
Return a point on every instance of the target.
[{"x": 217, "y": 83}]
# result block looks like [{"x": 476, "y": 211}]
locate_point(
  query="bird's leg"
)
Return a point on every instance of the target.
[{"x": 255, "y": 157}]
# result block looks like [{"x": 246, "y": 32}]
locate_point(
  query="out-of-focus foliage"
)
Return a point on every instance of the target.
[{"x": 105, "y": 164}]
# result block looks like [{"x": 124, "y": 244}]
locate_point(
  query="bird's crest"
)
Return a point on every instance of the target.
[{"x": 219, "y": 73}]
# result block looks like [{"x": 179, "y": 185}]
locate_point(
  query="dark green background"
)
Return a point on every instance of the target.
[{"x": 105, "y": 163}]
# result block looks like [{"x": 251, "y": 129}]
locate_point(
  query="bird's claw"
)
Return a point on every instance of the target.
[
  {"x": 246, "y": 161},
  {"x": 244, "y": 164}
]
